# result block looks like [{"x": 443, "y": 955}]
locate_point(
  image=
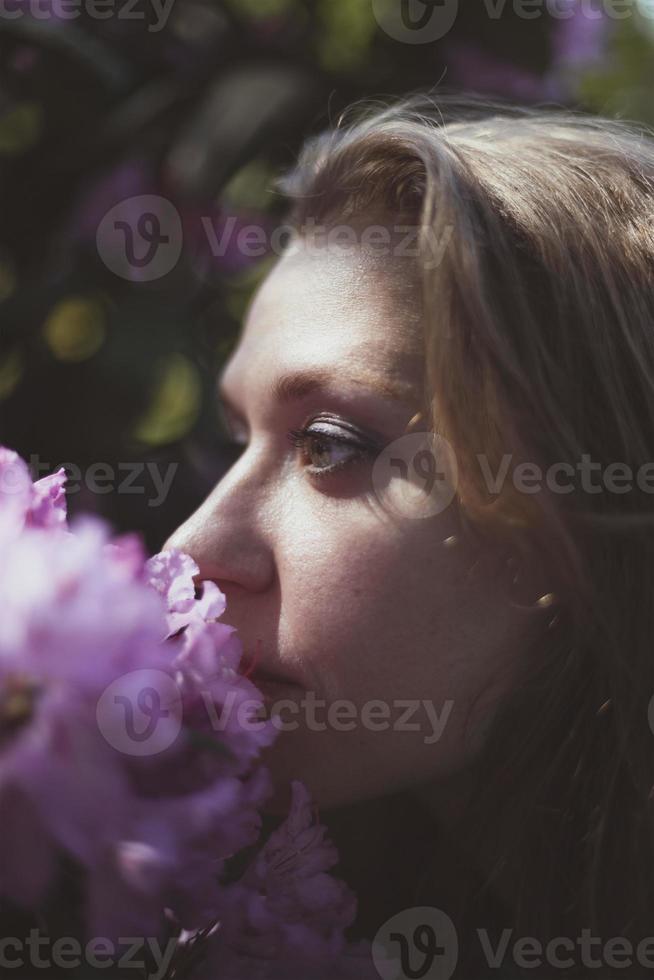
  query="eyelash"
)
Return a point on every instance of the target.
[
  {"x": 361, "y": 448},
  {"x": 302, "y": 439}
]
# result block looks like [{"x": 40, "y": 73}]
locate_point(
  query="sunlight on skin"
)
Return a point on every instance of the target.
[{"x": 339, "y": 597}]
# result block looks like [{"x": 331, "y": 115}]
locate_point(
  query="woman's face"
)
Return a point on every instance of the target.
[{"x": 380, "y": 638}]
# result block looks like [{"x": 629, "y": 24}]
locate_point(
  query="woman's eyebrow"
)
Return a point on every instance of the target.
[{"x": 298, "y": 384}]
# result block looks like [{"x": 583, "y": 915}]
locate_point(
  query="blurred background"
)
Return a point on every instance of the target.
[{"x": 126, "y": 125}]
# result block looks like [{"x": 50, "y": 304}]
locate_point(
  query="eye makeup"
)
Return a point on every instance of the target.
[{"x": 330, "y": 443}]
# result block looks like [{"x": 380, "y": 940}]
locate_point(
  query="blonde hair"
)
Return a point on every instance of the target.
[{"x": 539, "y": 343}]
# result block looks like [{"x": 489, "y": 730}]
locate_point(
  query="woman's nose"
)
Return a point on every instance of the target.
[{"x": 225, "y": 537}]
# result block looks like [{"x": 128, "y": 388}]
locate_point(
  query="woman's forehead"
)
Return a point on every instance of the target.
[
  {"x": 322, "y": 317},
  {"x": 339, "y": 298}
]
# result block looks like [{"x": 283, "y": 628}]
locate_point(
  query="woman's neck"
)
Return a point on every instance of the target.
[
  {"x": 381, "y": 844},
  {"x": 406, "y": 850}
]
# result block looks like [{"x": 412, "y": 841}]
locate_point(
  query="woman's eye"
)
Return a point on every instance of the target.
[{"x": 327, "y": 447}]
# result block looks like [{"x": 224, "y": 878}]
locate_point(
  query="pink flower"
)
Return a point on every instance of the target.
[
  {"x": 130, "y": 753},
  {"x": 81, "y": 614},
  {"x": 48, "y": 505},
  {"x": 41, "y": 504},
  {"x": 286, "y": 917}
]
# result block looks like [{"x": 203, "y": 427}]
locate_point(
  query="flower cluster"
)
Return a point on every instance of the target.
[{"x": 111, "y": 774}]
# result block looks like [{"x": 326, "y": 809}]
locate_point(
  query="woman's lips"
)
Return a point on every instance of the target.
[
  {"x": 259, "y": 666},
  {"x": 274, "y": 689},
  {"x": 269, "y": 682}
]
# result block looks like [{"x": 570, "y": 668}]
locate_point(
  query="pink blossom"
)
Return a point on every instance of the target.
[
  {"x": 79, "y": 613},
  {"x": 286, "y": 917},
  {"x": 93, "y": 638}
]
